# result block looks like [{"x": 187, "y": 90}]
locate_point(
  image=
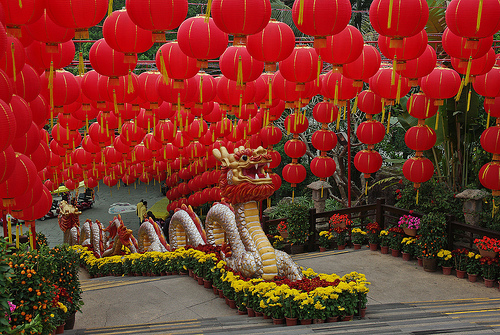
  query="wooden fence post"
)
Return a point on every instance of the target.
[
  {"x": 379, "y": 212},
  {"x": 449, "y": 231},
  {"x": 312, "y": 229},
  {"x": 264, "y": 223}
]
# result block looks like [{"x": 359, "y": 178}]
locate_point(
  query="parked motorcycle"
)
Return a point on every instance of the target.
[
  {"x": 53, "y": 211},
  {"x": 85, "y": 200}
]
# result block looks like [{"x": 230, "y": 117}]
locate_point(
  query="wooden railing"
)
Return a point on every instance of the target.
[{"x": 459, "y": 234}]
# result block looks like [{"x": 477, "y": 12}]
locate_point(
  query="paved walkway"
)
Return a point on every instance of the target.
[{"x": 403, "y": 298}]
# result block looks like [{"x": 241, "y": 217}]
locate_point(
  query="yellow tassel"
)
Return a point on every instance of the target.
[
  {"x": 270, "y": 91},
  {"x": 468, "y": 99},
  {"x": 178, "y": 102},
  {"x": 301, "y": 12},
  {"x": 479, "y": 12},
  {"x": 383, "y": 115},
  {"x": 488, "y": 121},
  {"x": 467, "y": 73},
  {"x": 355, "y": 105},
  {"x": 366, "y": 187},
  {"x": 239, "y": 77},
  {"x": 201, "y": 89},
  {"x": 336, "y": 93},
  {"x": 393, "y": 76},
  {"x": 389, "y": 19},
  {"x": 20, "y": 4},
  {"x": 437, "y": 121},
  {"x": 115, "y": 103},
  {"x": 338, "y": 121},
  {"x": 428, "y": 107},
  {"x": 130, "y": 87},
  {"x": 268, "y": 202},
  {"x": 240, "y": 104},
  {"x": 322, "y": 191},
  {"x": 209, "y": 9},
  {"x": 293, "y": 194},
  {"x": 345, "y": 112},
  {"x": 110, "y": 7},
  {"x": 398, "y": 91},
  {"x": 249, "y": 124},
  {"x": 417, "y": 197},
  {"x": 12, "y": 51},
  {"x": 81, "y": 67},
  {"x": 457, "y": 97},
  {"x": 388, "y": 121},
  {"x": 51, "y": 85},
  {"x": 163, "y": 69},
  {"x": 318, "y": 72}
]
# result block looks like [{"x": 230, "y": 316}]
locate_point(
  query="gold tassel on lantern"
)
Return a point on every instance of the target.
[
  {"x": 209, "y": 9},
  {"x": 437, "y": 120},
  {"x": 239, "y": 77},
  {"x": 393, "y": 74},
  {"x": 130, "y": 87},
  {"x": 479, "y": 13},
  {"x": 338, "y": 119},
  {"x": 270, "y": 91},
  {"x": 163, "y": 69},
  {"x": 51, "y": 93},
  {"x": 301, "y": 12},
  {"x": 336, "y": 93},
  {"x": 398, "y": 91},
  {"x": 81, "y": 67},
  {"x": 12, "y": 52},
  {"x": 488, "y": 121},
  {"x": 355, "y": 105},
  {"x": 468, "y": 99},
  {"x": 115, "y": 103},
  {"x": 389, "y": 19},
  {"x": 201, "y": 89},
  {"x": 110, "y": 7},
  {"x": 388, "y": 121},
  {"x": 318, "y": 72},
  {"x": 20, "y": 4}
]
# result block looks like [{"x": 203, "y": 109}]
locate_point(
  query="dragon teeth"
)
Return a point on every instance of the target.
[
  {"x": 267, "y": 175},
  {"x": 256, "y": 176}
]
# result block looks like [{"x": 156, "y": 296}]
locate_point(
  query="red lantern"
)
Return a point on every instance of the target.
[
  {"x": 363, "y": 67},
  {"x": 473, "y": 19},
  {"x": 368, "y": 162},
  {"x": 285, "y": 90},
  {"x": 295, "y": 148},
  {"x": 40, "y": 59},
  {"x": 325, "y": 112},
  {"x": 27, "y": 84},
  {"x": 270, "y": 135},
  {"x": 20, "y": 181},
  {"x": 420, "y": 66},
  {"x": 420, "y": 138},
  {"x": 382, "y": 84},
  {"x": 177, "y": 92},
  {"x": 206, "y": 92},
  {"x": 334, "y": 52},
  {"x": 273, "y": 44},
  {"x": 296, "y": 123},
  {"x": 201, "y": 39},
  {"x": 369, "y": 102},
  {"x": 488, "y": 85},
  {"x": 79, "y": 15},
  {"x": 301, "y": 66},
  {"x": 7, "y": 157},
  {"x": 241, "y": 18},
  {"x": 339, "y": 88},
  {"x": 490, "y": 140},
  {"x": 398, "y": 19},
  {"x": 411, "y": 48},
  {"x": 488, "y": 176},
  {"x": 456, "y": 46},
  {"x": 237, "y": 64},
  {"x": 324, "y": 140},
  {"x": 418, "y": 170},
  {"x": 370, "y": 132},
  {"x": 173, "y": 63},
  {"x": 12, "y": 62},
  {"x": 26, "y": 143},
  {"x": 421, "y": 107},
  {"x": 323, "y": 167},
  {"x": 477, "y": 66},
  {"x": 19, "y": 14},
  {"x": 65, "y": 91},
  {"x": 441, "y": 83},
  {"x": 132, "y": 134},
  {"x": 157, "y": 16},
  {"x": 108, "y": 61},
  {"x": 294, "y": 173},
  {"x": 232, "y": 94},
  {"x": 22, "y": 113},
  {"x": 100, "y": 136},
  {"x": 123, "y": 35},
  {"x": 493, "y": 109},
  {"x": 47, "y": 31},
  {"x": 8, "y": 125},
  {"x": 321, "y": 18}
]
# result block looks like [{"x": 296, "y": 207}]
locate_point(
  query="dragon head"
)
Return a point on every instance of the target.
[{"x": 243, "y": 175}]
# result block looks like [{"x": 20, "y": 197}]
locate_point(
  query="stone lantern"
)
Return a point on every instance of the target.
[
  {"x": 319, "y": 195},
  {"x": 473, "y": 204}
]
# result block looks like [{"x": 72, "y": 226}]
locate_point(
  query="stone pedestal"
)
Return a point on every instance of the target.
[
  {"x": 472, "y": 205},
  {"x": 319, "y": 195}
]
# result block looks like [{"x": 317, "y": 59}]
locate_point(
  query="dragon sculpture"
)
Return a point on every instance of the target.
[
  {"x": 243, "y": 184},
  {"x": 69, "y": 222}
]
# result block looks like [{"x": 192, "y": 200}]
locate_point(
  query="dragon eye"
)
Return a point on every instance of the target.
[{"x": 244, "y": 157}]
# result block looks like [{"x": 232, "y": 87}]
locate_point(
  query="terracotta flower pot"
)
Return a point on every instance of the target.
[
  {"x": 472, "y": 277},
  {"x": 291, "y": 321},
  {"x": 240, "y": 312},
  {"x": 316, "y": 321},
  {"x": 258, "y": 314},
  {"x": 207, "y": 283},
  {"x": 347, "y": 318},
  {"x": 406, "y": 256},
  {"x": 332, "y": 319},
  {"x": 250, "y": 312},
  {"x": 266, "y": 316},
  {"x": 373, "y": 246},
  {"x": 70, "y": 322},
  {"x": 341, "y": 247},
  {"x": 221, "y": 294},
  {"x": 430, "y": 264},
  {"x": 231, "y": 303},
  {"x": 485, "y": 253},
  {"x": 395, "y": 253},
  {"x": 384, "y": 249},
  {"x": 60, "y": 329},
  {"x": 410, "y": 232},
  {"x": 362, "y": 312},
  {"x": 321, "y": 249},
  {"x": 460, "y": 274},
  {"x": 279, "y": 321},
  {"x": 200, "y": 281},
  {"x": 216, "y": 290},
  {"x": 420, "y": 261},
  {"x": 446, "y": 270},
  {"x": 488, "y": 282},
  {"x": 305, "y": 321},
  {"x": 357, "y": 246}
]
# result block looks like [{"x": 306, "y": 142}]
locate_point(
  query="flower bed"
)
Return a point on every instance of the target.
[{"x": 316, "y": 296}]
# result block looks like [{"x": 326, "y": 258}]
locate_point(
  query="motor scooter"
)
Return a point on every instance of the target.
[
  {"x": 53, "y": 211},
  {"x": 85, "y": 200}
]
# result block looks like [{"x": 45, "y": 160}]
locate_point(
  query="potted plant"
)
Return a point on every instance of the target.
[
  {"x": 409, "y": 224},
  {"x": 460, "y": 258},
  {"x": 283, "y": 229},
  {"x": 340, "y": 236},
  {"x": 384, "y": 241},
  {"x": 358, "y": 237},
  {"x": 306, "y": 310},
  {"x": 408, "y": 247},
  {"x": 319, "y": 313},
  {"x": 339, "y": 220},
  {"x": 445, "y": 261},
  {"x": 325, "y": 238},
  {"x": 432, "y": 238},
  {"x": 373, "y": 234},
  {"x": 490, "y": 270},
  {"x": 473, "y": 266},
  {"x": 395, "y": 237},
  {"x": 298, "y": 226},
  {"x": 488, "y": 247}
]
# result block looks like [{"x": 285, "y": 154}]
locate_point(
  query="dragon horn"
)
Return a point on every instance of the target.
[{"x": 222, "y": 155}]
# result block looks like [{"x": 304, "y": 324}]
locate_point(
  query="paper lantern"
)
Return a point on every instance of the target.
[
  {"x": 296, "y": 123},
  {"x": 110, "y": 62},
  {"x": 8, "y": 125},
  {"x": 420, "y": 106},
  {"x": 324, "y": 140},
  {"x": 301, "y": 66},
  {"x": 383, "y": 85},
  {"x": 370, "y": 132},
  {"x": 325, "y": 112},
  {"x": 171, "y": 61},
  {"x": 367, "y": 162},
  {"x": 488, "y": 85},
  {"x": 270, "y": 135},
  {"x": 295, "y": 148},
  {"x": 441, "y": 83},
  {"x": 477, "y": 66},
  {"x": 363, "y": 67},
  {"x": 47, "y": 31},
  {"x": 201, "y": 39},
  {"x": 7, "y": 159},
  {"x": 490, "y": 140},
  {"x": 411, "y": 48},
  {"x": 20, "y": 14},
  {"x": 323, "y": 167},
  {"x": 420, "y": 66},
  {"x": 237, "y": 64},
  {"x": 20, "y": 181},
  {"x": 335, "y": 50},
  {"x": 338, "y": 88},
  {"x": 369, "y": 102},
  {"x": 420, "y": 138},
  {"x": 273, "y": 44},
  {"x": 488, "y": 176},
  {"x": 457, "y": 46},
  {"x": 473, "y": 19},
  {"x": 418, "y": 170},
  {"x": 321, "y": 18},
  {"x": 294, "y": 173},
  {"x": 12, "y": 62},
  {"x": 157, "y": 16}
]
